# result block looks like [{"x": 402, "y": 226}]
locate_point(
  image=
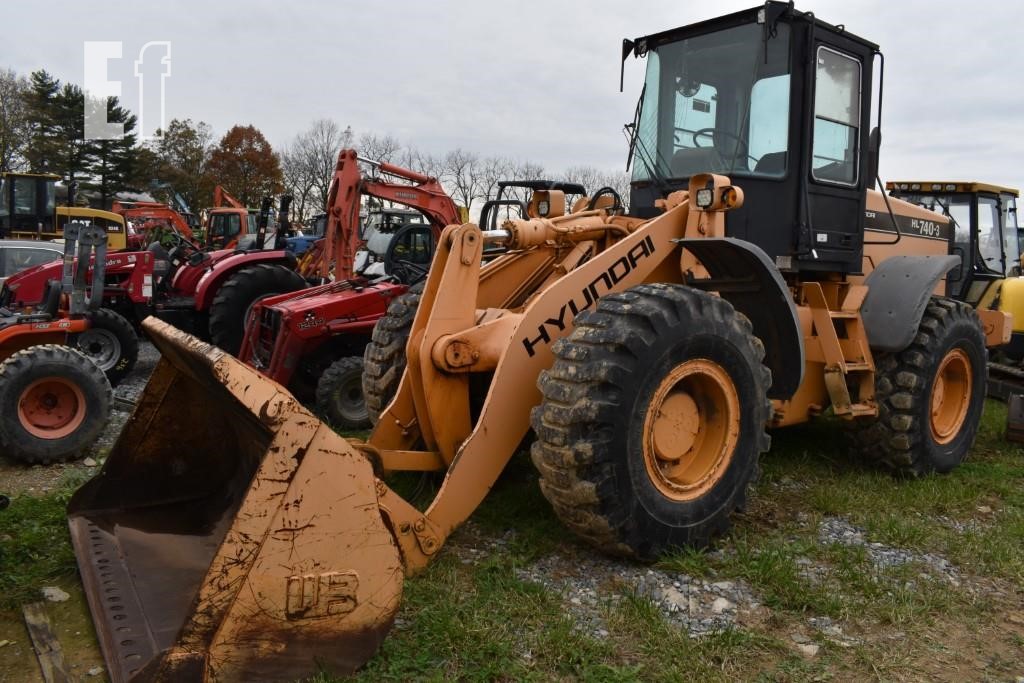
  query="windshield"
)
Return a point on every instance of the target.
[{"x": 716, "y": 103}]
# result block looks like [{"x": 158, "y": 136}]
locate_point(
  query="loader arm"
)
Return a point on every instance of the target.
[{"x": 446, "y": 344}]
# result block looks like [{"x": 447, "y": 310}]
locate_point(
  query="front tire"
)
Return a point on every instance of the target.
[
  {"x": 384, "y": 357},
  {"x": 54, "y": 403},
  {"x": 339, "y": 395},
  {"x": 652, "y": 420},
  {"x": 930, "y": 395},
  {"x": 111, "y": 343},
  {"x": 229, "y": 311}
]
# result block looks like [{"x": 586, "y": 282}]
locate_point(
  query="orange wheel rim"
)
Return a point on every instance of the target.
[
  {"x": 51, "y": 408},
  {"x": 691, "y": 429},
  {"x": 951, "y": 396}
]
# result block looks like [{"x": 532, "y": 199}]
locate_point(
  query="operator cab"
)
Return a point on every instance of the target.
[
  {"x": 384, "y": 232},
  {"x": 29, "y": 211},
  {"x": 779, "y": 102},
  {"x": 986, "y": 233}
]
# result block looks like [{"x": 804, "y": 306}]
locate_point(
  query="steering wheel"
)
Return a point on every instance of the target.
[
  {"x": 617, "y": 204},
  {"x": 408, "y": 272},
  {"x": 712, "y": 132}
]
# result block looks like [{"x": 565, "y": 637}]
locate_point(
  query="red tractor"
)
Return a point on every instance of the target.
[
  {"x": 313, "y": 341},
  {"x": 57, "y": 363},
  {"x": 206, "y": 293}
]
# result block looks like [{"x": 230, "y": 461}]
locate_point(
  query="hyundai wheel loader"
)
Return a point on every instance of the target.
[{"x": 757, "y": 282}]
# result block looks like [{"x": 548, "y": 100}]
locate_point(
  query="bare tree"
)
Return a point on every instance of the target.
[
  {"x": 461, "y": 176},
  {"x": 587, "y": 176},
  {"x": 378, "y": 148},
  {"x": 14, "y": 122},
  {"x": 299, "y": 182},
  {"x": 492, "y": 171},
  {"x": 317, "y": 150}
]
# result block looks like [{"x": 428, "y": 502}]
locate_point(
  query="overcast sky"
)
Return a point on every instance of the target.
[{"x": 530, "y": 79}]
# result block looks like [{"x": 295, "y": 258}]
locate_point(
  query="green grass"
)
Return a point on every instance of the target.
[
  {"x": 35, "y": 547},
  {"x": 480, "y": 621}
]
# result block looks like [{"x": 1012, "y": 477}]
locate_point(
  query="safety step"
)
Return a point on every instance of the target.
[
  {"x": 844, "y": 315},
  {"x": 857, "y": 366}
]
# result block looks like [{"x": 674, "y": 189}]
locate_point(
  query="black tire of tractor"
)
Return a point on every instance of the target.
[
  {"x": 900, "y": 437},
  {"x": 235, "y": 298},
  {"x": 27, "y": 366},
  {"x": 590, "y": 424},
  {"x": 384, "y": 357},
  {"x": 339, "y": 395},
  {"x": 111, "y": 342}
]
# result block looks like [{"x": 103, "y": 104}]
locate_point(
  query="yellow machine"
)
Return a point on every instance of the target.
[
  {"x": 757, "y": 281},
  {"x": 29, "y": 211},
  {"x": 986, "y": 238}
]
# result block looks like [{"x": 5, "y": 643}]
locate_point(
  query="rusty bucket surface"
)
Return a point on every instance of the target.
[{"x": 231, "y": 535}]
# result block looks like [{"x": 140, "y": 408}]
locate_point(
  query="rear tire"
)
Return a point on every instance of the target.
[
  {"x": 652, "y": 420},
  {"x": 339, "y": 395},
  {"x": 917, "y": 430},
  {"x": 54, "y": 403},
  {"x": 233, "y": 301},
  {"x": 384, "y": 357},
  {"x": 110, "y": 342}
]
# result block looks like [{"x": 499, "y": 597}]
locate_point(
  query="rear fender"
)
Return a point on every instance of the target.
[
  {"x": 898, "y": 292},
  {"x": 217, "y": 274}
]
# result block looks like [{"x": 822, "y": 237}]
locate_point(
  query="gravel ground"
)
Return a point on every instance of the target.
[
  {"x": 126, "y": 393},
  {"x": 839, "y": 530}
]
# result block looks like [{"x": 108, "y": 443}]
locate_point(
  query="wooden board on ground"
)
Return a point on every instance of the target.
[{"x": 47, "y": 647}]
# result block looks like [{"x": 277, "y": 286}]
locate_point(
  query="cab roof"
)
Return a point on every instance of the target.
[{"x": 934, "y": 186}]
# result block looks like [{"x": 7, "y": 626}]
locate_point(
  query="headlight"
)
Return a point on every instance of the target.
[{"x": 705, "y": 198}]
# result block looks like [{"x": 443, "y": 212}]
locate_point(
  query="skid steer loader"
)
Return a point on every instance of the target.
[{"x": 648, "y": 352}]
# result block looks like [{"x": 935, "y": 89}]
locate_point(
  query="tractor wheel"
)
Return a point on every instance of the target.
[
  {"x": 339, "y": 394},
  {"x": 111, "y": 343},
  {"x": 652, "y": 420},
  {"x": 384, "y": 357},
  {"x": 54, "y": 403},
  {"x": 235, "y": 298},
  {"x": 930, "y": 395}
]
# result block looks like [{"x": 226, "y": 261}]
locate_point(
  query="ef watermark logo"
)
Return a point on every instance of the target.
[{"x": 151, "y": 69}]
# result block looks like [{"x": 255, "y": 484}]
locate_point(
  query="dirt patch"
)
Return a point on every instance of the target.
[{"x": 72, "y": 626}]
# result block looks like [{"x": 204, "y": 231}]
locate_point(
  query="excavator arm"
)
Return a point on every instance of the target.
[
  {"x": 153, "y": 211},
  {"x": 336, "y": 251}
]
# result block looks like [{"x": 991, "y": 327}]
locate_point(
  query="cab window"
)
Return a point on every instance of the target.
[
  {"x": 990, "y": 243},
  {"x": 836, "y": 118},
  {"x": 24, "y": 196},
  {"x": 416, "y": 246},
  {"x": 16, "y": 259}
]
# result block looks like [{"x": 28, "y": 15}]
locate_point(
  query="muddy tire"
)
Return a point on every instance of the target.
[
  {"x": 111, "y": 343},
  {"x": 930, "y": 395},
  {"x": 234, "y": 299},
  {"x": 339, "y": 394},
  {"x": 54, "y": 403},
  {"x": 384, "y": 357},
  {"x": 652, "y": 420}
]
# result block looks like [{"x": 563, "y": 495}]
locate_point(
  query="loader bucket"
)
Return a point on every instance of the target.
[{"x": 231, "y": 535}]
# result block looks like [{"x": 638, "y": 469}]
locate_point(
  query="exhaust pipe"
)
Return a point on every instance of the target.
[{"x": 231, "y": 535}]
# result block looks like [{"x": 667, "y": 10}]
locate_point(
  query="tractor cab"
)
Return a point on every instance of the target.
[
  {"x": 29, "y": 211},
  {"x": 401, "y": 234},
  {"x": 985, "y": 233},
  {"x": 226, "y": 225},
  {"x": 779, "y": 102}
]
